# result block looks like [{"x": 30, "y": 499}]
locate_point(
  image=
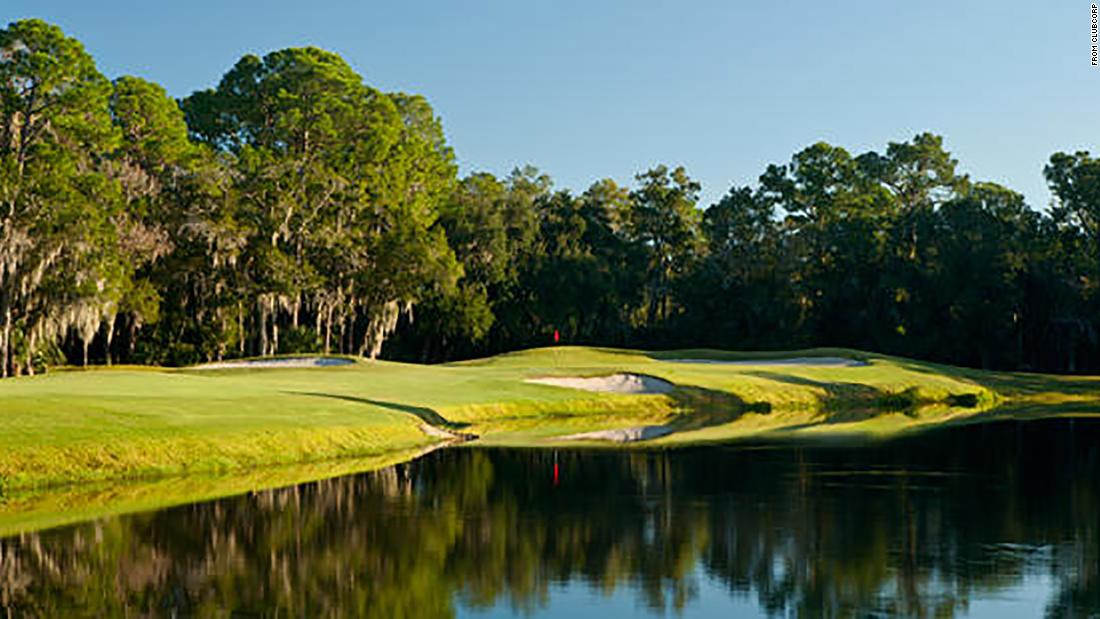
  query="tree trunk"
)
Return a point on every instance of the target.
[
  {"x": 110, "y": 336},
  {"x": 1019, "y": 343},
  {"x": 240, "y": 327},
  {"x": 30, "y": 355},
  {"x": 349, "y": 335},
  {"x": 5, "y": 342},
  {"x": 263, "y": 326},
  {"x": 131, "y": 338},
  {"x": 328, "y": 330}
]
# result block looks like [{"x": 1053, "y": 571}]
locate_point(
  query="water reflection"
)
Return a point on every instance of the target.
[{"x": 932, "y": 526}]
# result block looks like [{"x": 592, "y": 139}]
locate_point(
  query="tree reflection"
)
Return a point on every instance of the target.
[{"x": 920, "y": 527}]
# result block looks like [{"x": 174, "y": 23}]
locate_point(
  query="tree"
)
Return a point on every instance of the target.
[
  {"x": 1075, "y": 182},
  {"x": 339, "y": 189},
  {"x": 739, "y": 296},
  {"x": 981, "y": 243},
  {"x": 178, "y": 244},
  {"x": 836, "y": 224},
  {"x": 664, "y": 220},
  {"x": 1074, "y": 179},
  {"x": 57, "y": 267},
  {"x": 154, "y": 164},
  {"x": 585, "y": 273}
]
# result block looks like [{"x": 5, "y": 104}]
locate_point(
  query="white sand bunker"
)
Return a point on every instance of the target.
[
  {"x": 622, "y": 435},
  {"x": 823, "y": 362},
  {"x": 282, "y": 362},
  {"x": 613, "y": 383}
]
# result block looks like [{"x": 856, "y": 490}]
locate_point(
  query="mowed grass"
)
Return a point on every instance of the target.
[{"x": 143, "y": 423}]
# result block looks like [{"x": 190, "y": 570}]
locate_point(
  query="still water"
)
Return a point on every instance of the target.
[{"x": 999, "y": 520}]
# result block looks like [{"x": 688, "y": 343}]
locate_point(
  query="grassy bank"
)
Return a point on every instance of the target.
[
  {"x": 30, "y": 509},
  {"x": 142, "y": 423}
]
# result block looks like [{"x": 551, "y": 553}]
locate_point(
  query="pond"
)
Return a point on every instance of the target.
[{"x": 995, "y": 520}]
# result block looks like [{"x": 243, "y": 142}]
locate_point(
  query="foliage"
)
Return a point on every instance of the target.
[{"x": 293, "y": 200}]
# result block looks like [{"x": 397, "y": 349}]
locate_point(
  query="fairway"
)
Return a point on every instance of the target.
[{"x": 129, "y": 422}]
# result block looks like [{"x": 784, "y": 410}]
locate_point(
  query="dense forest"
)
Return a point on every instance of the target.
[{"x": 294, "y": 208}]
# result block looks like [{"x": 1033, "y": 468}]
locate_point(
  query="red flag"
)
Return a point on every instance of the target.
[{"x": 557, "y": 336}]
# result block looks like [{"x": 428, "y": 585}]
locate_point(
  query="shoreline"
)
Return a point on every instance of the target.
[
  {"x": 112, "y": 425},
  {"x": 41, "y": 508}
]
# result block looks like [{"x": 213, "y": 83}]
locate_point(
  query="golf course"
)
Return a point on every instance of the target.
[
  {"x": 543, "y": 310},
  {"x": 110, "y": 424}
]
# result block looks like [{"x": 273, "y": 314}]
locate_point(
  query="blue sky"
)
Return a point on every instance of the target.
[{"x": 587, "y": 90}]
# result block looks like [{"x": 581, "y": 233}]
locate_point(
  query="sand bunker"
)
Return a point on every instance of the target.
[
  {"x": 823, "y": 362},
  {"x": 622, "y": 435},
  {"x": 283, "y": 362},
  {"x": 614, "y": 383}
]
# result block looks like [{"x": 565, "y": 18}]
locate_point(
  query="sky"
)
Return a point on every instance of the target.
[{"x": 596, "y": 89}]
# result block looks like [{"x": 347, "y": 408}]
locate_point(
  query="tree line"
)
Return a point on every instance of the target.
[{"x": 294, "y": 208}]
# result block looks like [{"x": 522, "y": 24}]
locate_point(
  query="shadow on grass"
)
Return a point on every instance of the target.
[
  {"x": 1028, "y": 411},
  {"x": 844, "y": 402},
  {"x": 840, "y": 403},
  {"x": 703, "y": 408},
  {"x": 714, "y": 354},
  {"x": 837, "y": 394},
  {"x": 1042, "y": 383},
  {"x": 1022, "y": 383},
  {"x": 425, "y": 414}
]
